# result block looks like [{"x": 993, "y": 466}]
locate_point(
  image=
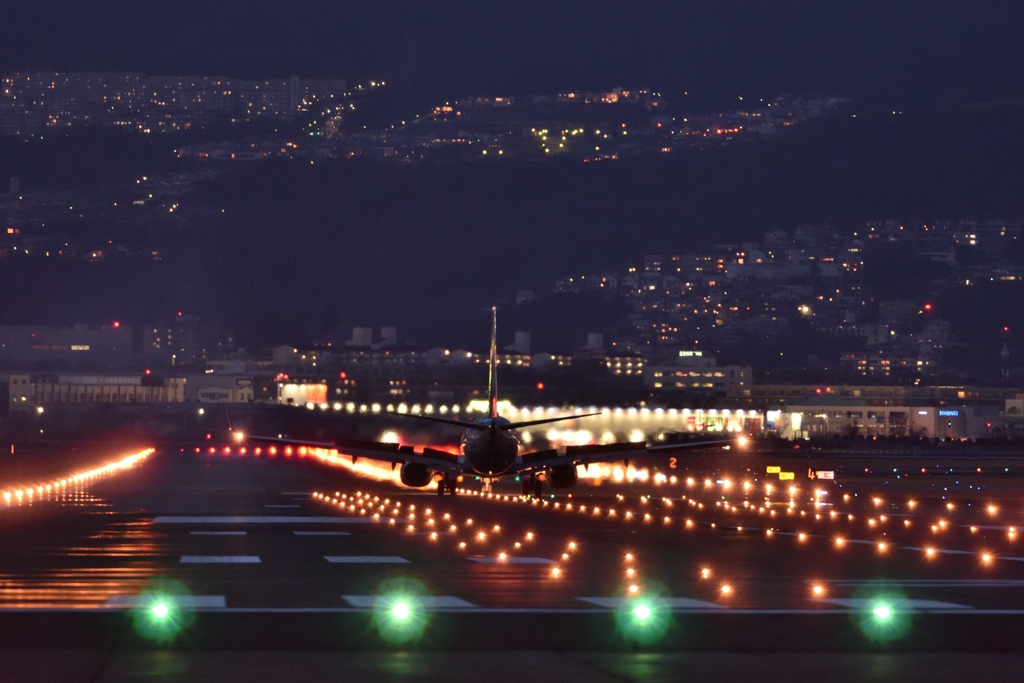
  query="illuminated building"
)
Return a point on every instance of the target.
[
  {"x": 34, "y": 102},
  {"x": 26, "y": 392},
  {"x": 942, "y": 422},
  {"x": 219, "y": 388},
  {"x": 37, "y": 343},
  {"x": 695, "y": 373}
]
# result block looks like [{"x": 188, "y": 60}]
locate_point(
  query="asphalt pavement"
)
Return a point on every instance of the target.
[{"x": 225, "y": 567}]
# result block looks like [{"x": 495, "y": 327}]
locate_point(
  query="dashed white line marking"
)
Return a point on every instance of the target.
[
  {"x": 183, "y": 601},
  {"x": 429, "y": 602},
  {"x": 863, "y": 603},
  {"x": 365, "y": 559},
  {"x": 933, "y": 583},
  {"x": 491, "y": 559},
  {"x": 672, "y": 603},
  {"x": 220, "y": 559}
]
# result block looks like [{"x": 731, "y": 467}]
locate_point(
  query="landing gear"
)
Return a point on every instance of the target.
[
  {"x": 531, "y": 486},
  {"x": 445, "y": 484},
  {"x": 487, "y": 486}
]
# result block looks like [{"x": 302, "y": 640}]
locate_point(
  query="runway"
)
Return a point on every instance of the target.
[{"x": 260, "y": 561}]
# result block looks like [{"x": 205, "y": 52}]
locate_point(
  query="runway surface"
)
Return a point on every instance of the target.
[{"x": 212, "y": 567}]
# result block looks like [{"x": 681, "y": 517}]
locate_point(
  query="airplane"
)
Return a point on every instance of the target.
[{"x": 490, "y": 448}]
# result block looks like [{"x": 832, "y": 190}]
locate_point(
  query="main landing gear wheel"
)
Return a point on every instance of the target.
[
  {"x": 445, "y": 484},
  {"x": 531, "y": 487}
]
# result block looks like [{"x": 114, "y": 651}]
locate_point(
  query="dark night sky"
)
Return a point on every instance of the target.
[
  {"x": 940, "y": 161},
  {"x": 877, "y": 52}
]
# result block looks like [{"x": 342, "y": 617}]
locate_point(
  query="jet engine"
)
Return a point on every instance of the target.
[
  {"x": 415, "y": 474},
  {"x": 562, "y": 476}
]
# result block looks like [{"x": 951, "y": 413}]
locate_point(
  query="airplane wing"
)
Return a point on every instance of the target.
[
  {"x": 440, "y": 461},
  {"x": 585, "y": 455},
  {"x": 394, "y": 453},
  {"x": 239, "y": 436}
]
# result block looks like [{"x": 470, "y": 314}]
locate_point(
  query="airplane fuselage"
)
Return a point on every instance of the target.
[{"x": 493, "y": 451}]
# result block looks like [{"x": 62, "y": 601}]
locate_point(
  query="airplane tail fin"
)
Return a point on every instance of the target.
[{"x": 492, "y": 381}]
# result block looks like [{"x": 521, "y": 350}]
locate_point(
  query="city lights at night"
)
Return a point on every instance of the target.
[{"x": 410, "y": 341}]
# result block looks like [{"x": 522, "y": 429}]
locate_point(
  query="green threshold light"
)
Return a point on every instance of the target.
[
  {"x": 643, "y": 621},
  {"x": 886, "y": 617},
  {"x": 399, "y": 612},
  {"x": 162, "y": 611}
]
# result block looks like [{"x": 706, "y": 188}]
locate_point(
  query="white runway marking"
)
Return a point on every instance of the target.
[
  {"x": 933, "y": 583},
  {"x": 184, "y": 601},
  {"x": 429, "y": 602},
  {"x": 673, "y": 603},
  {"x": 218, "y": 533},
  {"x": 491, "y": 559},
  {"x": 259, "y": 519},
  {"x": 365, "y": 559},
  {"x": 220, "y": 559},
  {"x": 863, "y": 603},
  {"x": 321, "y": 533}
]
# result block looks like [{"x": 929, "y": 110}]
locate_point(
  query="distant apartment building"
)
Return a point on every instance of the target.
[
  {"x": 31, "y": 344},
  {"x": 32, "y": 102},
  {"x": 186, "y": 340},
  {"x": 696, "y": 374}
]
